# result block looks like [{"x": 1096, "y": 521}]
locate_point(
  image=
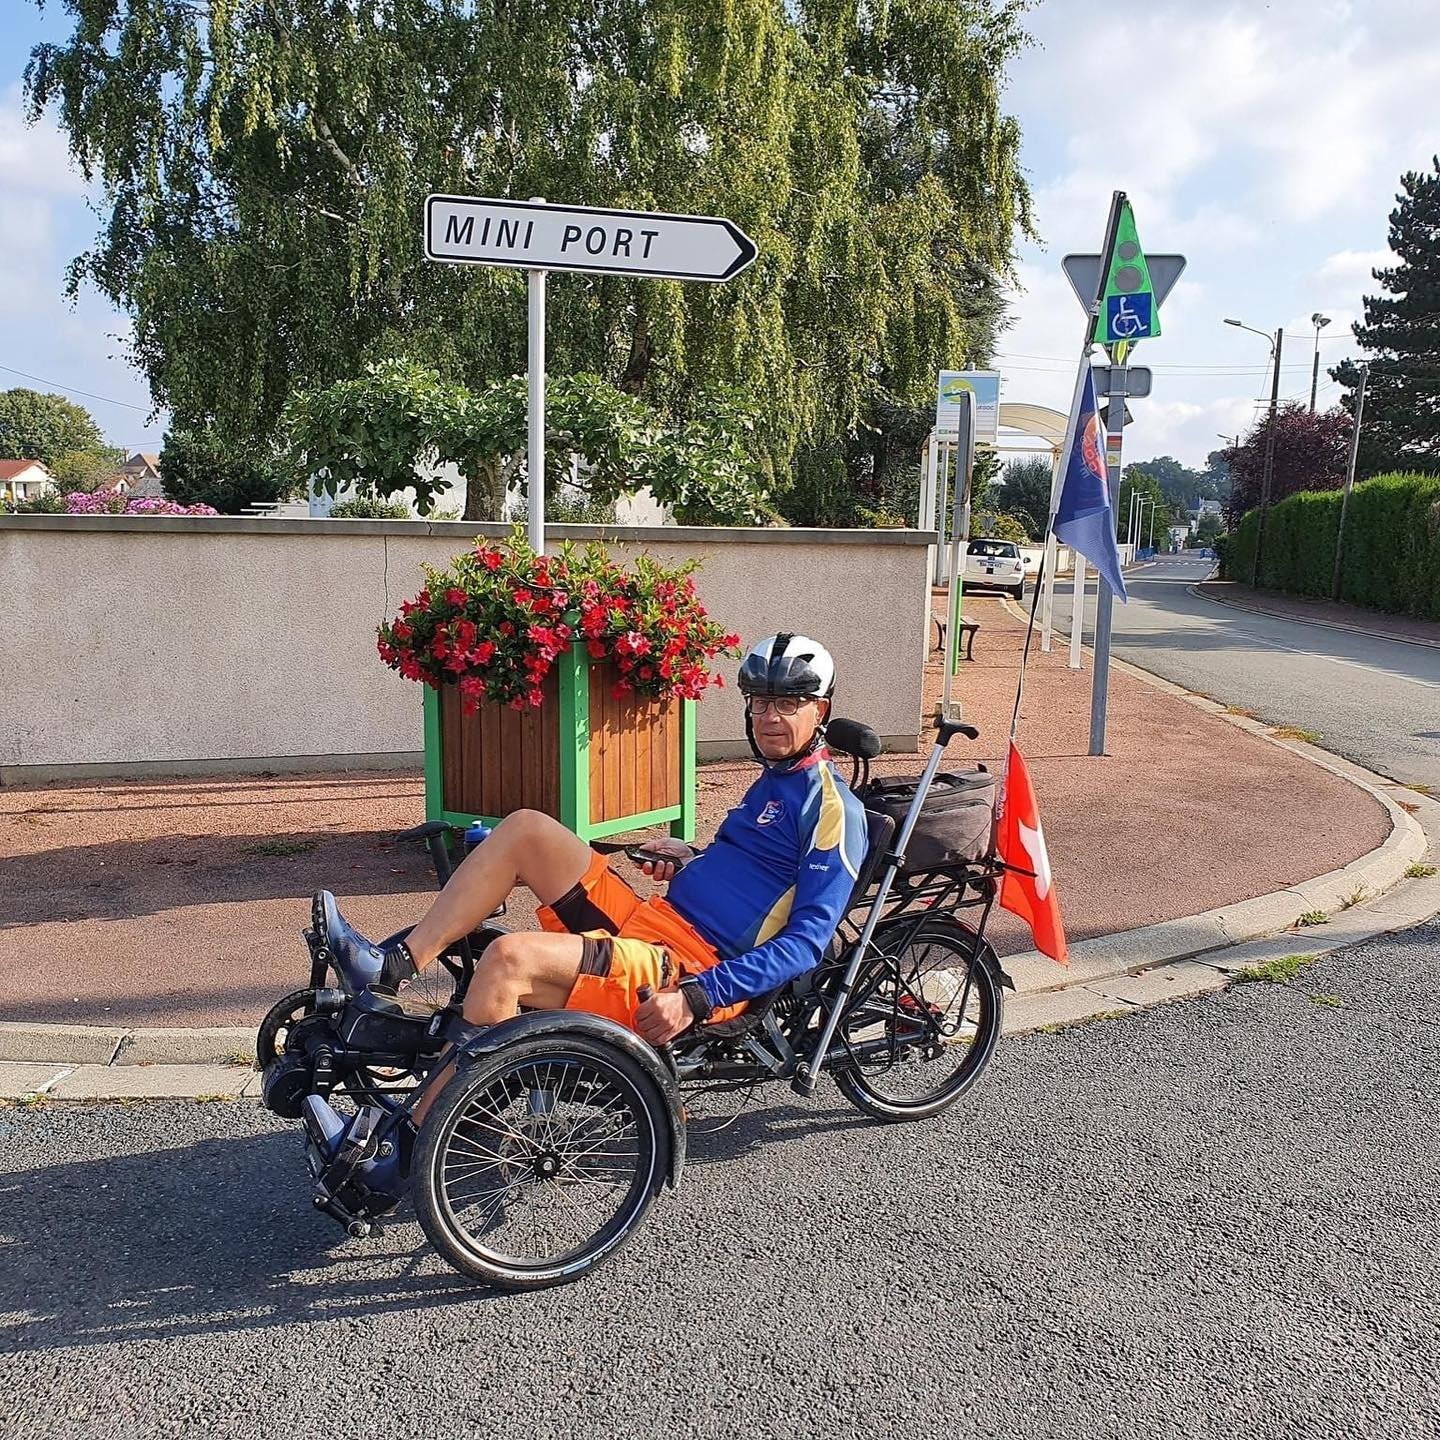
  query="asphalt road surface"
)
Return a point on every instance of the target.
[
  {"x": 1212, "y": 1219},
  {"x": 1375, "y": 701}
]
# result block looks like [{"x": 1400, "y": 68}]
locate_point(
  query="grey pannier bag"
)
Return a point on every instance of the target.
[{"x": 955, "y": 821}]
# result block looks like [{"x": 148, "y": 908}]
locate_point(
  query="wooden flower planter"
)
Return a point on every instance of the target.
[{"x": 597, "y": 764}]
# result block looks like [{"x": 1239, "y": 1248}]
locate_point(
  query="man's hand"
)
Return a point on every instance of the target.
[
  {"x": 664, "y": 1016},
  {"x": 660, "y": 869}
]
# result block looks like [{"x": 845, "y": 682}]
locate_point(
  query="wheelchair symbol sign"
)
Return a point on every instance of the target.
[{"x": 1128, "y": 317}]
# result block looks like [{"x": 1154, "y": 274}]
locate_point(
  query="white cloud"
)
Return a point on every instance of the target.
[{"x": 33, "y": 158}]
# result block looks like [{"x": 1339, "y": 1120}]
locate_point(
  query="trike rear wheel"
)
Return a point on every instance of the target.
[
  {"x": 539, "y": 1162},
  {"x": 928, "y": 1025}
]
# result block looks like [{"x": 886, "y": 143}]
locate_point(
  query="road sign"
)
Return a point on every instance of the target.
[
  {"x": 1105, "y": 415},
  {"x": 950, "y": 393},
  {"x": 469, "y": 230},
  {"x": 1083, "y": 273},
  {"x": 1136, "y": 379}
]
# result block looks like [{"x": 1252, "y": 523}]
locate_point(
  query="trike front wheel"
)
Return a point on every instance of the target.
[
  {"x": 538, "y": 1163},
  {"x": 928, "y": 1025}
]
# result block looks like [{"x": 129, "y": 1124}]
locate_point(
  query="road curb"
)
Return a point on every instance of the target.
[
  {"x": 1109, "y": 976},
  {"x": 1200, "y": 594}
]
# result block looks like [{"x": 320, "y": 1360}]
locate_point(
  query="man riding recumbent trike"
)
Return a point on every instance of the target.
[{"x": 538, "y": 1108}]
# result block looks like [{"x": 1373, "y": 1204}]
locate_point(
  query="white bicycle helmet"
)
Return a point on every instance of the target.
[{"x": 787, "y": 664}]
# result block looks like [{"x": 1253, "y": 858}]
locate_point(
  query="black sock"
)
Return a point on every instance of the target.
[{"x": 397, "y": 965}]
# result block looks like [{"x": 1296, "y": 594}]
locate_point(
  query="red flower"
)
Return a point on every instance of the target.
[
  {"x": 522, "y": 597},
  {"x": 536, "y": 698},
  {"x": 471, "y": 687},
  {"x": 505, "y": 628},
  {"x": 482, "y": 653},
  {"x": 619, "y": 690},
  {"x": 456, "y": 597},
  {"x": 400, "y": 630},
  {"x": 438, "y": 648},
  {"x": 423, "y": 599},
  {"x": 596, "y": 649},
  {"x": 410, "y": 667},
  {"x": 490, "y": 559},
  {"x": 647, "y": 672}
]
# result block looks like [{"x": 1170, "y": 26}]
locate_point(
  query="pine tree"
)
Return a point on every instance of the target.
[{"x": 1400, "y": 429}]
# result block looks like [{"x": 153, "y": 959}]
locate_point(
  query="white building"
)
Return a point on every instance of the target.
[{"x": 24, "y": 480}]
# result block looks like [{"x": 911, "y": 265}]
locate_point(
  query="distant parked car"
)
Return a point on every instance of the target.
[{"x": 995, "y": 565}]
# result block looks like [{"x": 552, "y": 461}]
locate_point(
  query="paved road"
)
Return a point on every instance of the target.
[
  {"x": 1213, "y": 1219},
  {"x": 1375, "y": 701}
]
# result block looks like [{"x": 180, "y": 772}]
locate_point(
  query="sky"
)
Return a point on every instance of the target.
[{"x": 1263, "y": 141}]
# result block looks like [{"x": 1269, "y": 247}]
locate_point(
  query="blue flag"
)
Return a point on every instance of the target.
[{"x": 1084, "y": 518}]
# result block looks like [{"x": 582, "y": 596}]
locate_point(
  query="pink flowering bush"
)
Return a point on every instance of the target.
[{"x": 106, "y": 502}]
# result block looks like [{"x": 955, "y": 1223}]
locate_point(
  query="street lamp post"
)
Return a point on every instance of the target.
[
  {"x": 1276, "y": 347},
  {"x": 1319, "y": 321}
]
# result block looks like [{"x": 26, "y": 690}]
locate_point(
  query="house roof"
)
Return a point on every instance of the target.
[
  {"x": 140, "y": 460},
  {"x": 13, "y": 469}
]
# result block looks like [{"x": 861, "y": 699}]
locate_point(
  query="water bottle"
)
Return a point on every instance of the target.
[{"x": 475, "y": 834}]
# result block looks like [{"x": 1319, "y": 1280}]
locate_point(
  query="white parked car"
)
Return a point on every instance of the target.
[{"x": 995, "y": 565}]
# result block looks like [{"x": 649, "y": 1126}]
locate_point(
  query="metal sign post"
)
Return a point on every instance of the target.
[
  {"x": 959, "y": 535},
  {"x": 537, "y": 237},
  {"x": 1104, "y": 595}
]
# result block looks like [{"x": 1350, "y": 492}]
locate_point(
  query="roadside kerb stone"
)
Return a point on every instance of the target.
[
  {"x": 214, "y": 1045},
  {"x": 73, "y": 1044},
  {"x": 151, "y": 1082},
  {"x": 1199, "y": 591},
  {"x": 1177, "y": 980}
]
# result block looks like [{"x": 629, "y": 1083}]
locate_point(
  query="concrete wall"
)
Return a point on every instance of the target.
[{"x": 147, "y": 644}]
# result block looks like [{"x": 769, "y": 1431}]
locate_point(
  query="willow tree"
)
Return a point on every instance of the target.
[{"x": 264, "y": 164}]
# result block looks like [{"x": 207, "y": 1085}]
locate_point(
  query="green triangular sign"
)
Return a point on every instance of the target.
[{"x": 1128, "y": 311}]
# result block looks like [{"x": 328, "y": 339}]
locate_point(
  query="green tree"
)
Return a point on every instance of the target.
[
  {"x": 1400, "y": 429},
  {"x": 86, "y": 470},
  {"x": 389, "y": 429},
  {"x": 1026, "y": 492},
  {"x": 39, "y": 426},
  {"x": 1207, "y": 530},
  {"x": 198, "y": 468},
  {"x": 263, "y": 166}
]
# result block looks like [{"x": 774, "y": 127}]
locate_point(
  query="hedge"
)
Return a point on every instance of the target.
[{"x": 1392, "y": 545}]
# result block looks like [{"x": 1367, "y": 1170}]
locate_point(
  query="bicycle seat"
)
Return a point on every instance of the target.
[{"x": 356, "y": 960}]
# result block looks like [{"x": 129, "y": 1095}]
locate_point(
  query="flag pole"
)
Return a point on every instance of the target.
[{"x": 1107, "y": 253}]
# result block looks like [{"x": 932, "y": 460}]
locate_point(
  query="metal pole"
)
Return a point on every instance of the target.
[
  {"x": 959, "y": 534},
  {"x": 535, "y": 453},
  {"x": 1315, "y": 371},
  {"x": 1269, "y": 460},
  {"x": 1349, "y": 479},
  {"x": 1077, "y": 607},
  {"x": 1052, "y": 557},
  {"x": 1104, "y": 596},
  {"x": 1151, "y": 545}
]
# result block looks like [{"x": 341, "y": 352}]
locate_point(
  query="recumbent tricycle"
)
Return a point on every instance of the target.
[{"x": 544, "y": 1151}]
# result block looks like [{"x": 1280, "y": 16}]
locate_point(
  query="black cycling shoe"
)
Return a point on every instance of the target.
[{"x": 360, "y": 963}]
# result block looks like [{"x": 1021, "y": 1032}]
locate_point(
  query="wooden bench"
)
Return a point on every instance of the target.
[{"x": 969, "y": 629}]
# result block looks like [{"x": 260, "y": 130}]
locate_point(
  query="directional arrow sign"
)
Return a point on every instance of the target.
[
  {"x": 471, "y": 231},
  {"x": 1083, "y": 273}
]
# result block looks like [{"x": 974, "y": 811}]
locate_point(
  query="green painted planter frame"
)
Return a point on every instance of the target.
[{"x": 573, "y": 670}]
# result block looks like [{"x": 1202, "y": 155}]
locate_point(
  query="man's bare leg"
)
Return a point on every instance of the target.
[
  {"x": 526, "y": 848},
  {"x": 535, "y": 969}
]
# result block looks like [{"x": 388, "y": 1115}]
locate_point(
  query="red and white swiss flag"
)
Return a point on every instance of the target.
[{"x": 1021, "y": 842}]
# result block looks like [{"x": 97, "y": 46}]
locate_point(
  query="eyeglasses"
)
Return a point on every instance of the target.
[{"x": 780, "y": 704}]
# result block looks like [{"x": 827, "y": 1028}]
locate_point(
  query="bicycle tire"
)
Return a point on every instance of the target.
[
  {"x": 864, "y": 1086},
  {"x": 576, "y": 1061}
]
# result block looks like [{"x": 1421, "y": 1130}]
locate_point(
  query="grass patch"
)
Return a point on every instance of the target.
[
  {"x": 1358, "y": 894},
  {"x": 1295, "y": 732},
  {"x": 1332, "y": 1001},
  {"x": 240, "y": 1057},
  {"x": 213, "y": 1099},
  {"x": 1313, "y": 917},
  {"x": 1238, "y": 710},
  {"x": 1421, "y": 789},
  {"x": 279, "y": 847},
  {"x": 1063, "y": 1025},
  {"x": 1419, "y": 872},
  {"x": 1280, "y": 971}
]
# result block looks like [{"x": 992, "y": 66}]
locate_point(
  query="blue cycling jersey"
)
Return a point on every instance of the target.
[{"x": 771, "y": 889}]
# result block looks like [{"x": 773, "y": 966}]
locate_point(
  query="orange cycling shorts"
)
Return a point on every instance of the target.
[{"x": 629, "y": 942}]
